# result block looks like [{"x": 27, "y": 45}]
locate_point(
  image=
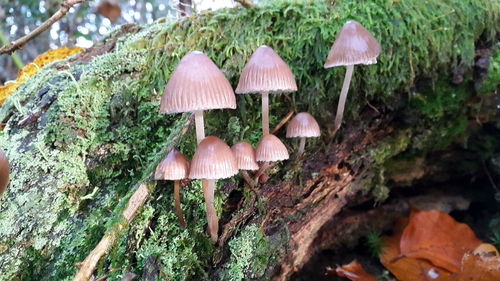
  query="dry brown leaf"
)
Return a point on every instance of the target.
[
  {"x": 404, "y": 268},
  {"x": 478, "y": 267},
  {"x": 354, "y": 271},
  {"x": 486, "y": 249},
  {"x": 110, "y": 9},
  {"x": 436, "y": 237}
]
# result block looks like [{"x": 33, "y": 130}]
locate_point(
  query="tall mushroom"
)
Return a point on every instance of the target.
[
  {"x": 266, "y": 73},
  {"x": 245, "y": 159},
  {"x": 212, "y": 160},
  {"x": 197, "y": 84},
  {"x": 4, "y": 171},
  {"x": 269, "y": 149},
  {"x": 353, "y": 45},
  {"x": 302, "y": 126},
  {"x": 174, "y": 167}
]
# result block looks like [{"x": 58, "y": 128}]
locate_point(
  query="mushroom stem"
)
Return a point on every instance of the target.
[
  {"x": 213, "y": 220},
  {"x": 177, "y": 200},
  {"x": 262, "y": 170},
  {"x": 302, "y": 145},
  {"x": 343, "y": 96},
  {"x": 247, "y": 178},
  {"x": 200, "y": 126},
  {"x": 265, "y": 113}
]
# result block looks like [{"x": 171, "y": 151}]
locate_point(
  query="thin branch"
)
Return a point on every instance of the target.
[
  {"x": 19, "y": 43},
  {"x": 283, "y": 121},
  {"x": 245, "y": 3},
  {"x": 15, "y": 58}
]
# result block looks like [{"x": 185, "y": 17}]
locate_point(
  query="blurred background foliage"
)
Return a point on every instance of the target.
[{"x": 82, "y": 25}]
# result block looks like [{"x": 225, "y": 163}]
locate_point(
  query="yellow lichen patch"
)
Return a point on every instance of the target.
[{"x": 34, "y": 66}]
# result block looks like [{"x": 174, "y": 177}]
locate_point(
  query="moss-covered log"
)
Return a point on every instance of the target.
[{"x": 94, "y": 131}]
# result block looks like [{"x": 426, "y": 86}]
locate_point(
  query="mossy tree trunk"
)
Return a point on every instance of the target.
[{"x": 92, "y": 131}]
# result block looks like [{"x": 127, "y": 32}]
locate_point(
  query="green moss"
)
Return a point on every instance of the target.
[
  {"x": 73, "y": 170},
  {"x": 492, "y": 79}
]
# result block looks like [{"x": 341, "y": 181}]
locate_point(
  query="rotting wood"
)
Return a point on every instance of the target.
[{"x": 322, "y": 196}]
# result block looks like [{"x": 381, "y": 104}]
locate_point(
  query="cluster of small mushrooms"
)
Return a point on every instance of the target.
[{"x": 197, "y": 84}]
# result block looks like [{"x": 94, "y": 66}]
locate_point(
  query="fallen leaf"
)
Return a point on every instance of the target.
[
  {"x": 478, "y": 267},
  {"x": 354, "y": 271},
  {"x": 486, "y": 249},
  {"x": 436, "y": 237},
  {"x": 404, "y": 268},
  {"x": 110, "y": 9}
]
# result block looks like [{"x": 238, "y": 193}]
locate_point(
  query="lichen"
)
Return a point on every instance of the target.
[
  {"x": 250, "y": 255},
  {"x": 73, "y": 168}
]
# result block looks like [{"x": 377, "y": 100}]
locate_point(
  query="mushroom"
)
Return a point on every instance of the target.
[
  {"x": 197, "y": 84},
  {"x": 212, "y": 160},
  {"x": 245, "y": 159},
  {"x": 302, "y": 126},
  {"x": 4, "y": 171},
  {"x": 174, "y": 167},
  {"x": 353, "y": 45},
  {"x": 266, "y": 73},
  {"x": 269, "y": 149}
]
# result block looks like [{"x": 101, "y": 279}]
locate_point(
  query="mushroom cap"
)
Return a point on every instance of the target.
[
  {"x": 4, "y": 171},
  {"x": 245, "y": 156},
  {"x": 173, "y": 167},
  {"x": 303, "y": 125},
  {"x": 266, "y": 72},
  {"x": 213, "y": 159},
  {"x": 271, "y": 149},
  {"x": 354, "y": 45},
  {"x": 197, "y": 84}
]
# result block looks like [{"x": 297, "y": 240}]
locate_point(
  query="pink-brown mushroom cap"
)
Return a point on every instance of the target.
[
  {"x": 213, "y": 159},
  {"x": 303, "y": 125},
  {"x": 173, "y": 167},
  {"x": 266, "y": 72},
  {"x": 4, "y": 171},
  {"x": 197, "y": 84},
  {"x": 245, "y": 156},
  {"x": 354, "y": 45},
  {"x": 271, "y": 149}
]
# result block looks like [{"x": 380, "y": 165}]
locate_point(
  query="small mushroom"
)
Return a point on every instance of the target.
[
  {"x": 269, "y": 149},
  {"x": 302, "y": 126},
  {"x": 174, "y": 167},
  {"x": 4, "y": 171},
  {"x": 353, "y": 45},
  {"x": 197, "y": 84},
  {"x": 245, "y": 159},
  {"x": 266, "y": 73},
  {"x": 212, "y": 160}
]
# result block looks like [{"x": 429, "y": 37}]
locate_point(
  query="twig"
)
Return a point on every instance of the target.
[
  {"x": 14, "y": 45},
  {"x": 490, "y": 178},
  {"x": 245, "y": 3},
  {"x": 135, "y": 202},
  {"x": 283, "y": 121}
]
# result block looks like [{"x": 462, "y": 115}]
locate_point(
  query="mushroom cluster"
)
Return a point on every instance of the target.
[{"x": 197, "y": 84}]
